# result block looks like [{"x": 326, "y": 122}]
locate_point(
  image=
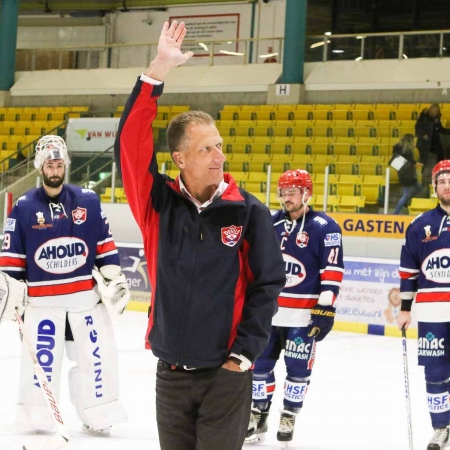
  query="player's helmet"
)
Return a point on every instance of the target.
[
  {"x": 50, "y": 147},
  {"x": 440, "y": 167},
  {"x": 295, "y": 179}
]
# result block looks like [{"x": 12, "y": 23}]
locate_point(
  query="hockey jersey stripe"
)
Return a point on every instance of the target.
[
  {"x": 331, "y": 275},
  {"x": 10, "y": 260},
  {"x": 104, "y": 255},
  {"x": 63, "y": 281},
  {"x": 61, "y": 289},
  {"x": 429, "y": 297},
  {"x": 406, "y": 274},
  {"x": 302, "y": 303},
  {"x": 105, "y": 247}
]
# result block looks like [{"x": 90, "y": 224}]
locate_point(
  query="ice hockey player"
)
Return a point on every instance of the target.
[
  {"x": 311, "y": 243},
  {"x": 425, "y": 278},
  {"x": 54, "y": 238}
]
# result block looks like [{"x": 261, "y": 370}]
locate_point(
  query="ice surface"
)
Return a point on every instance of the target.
[{"x": 356, "y": 398}]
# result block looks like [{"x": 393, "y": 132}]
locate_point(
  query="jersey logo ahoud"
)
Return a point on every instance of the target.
[
  {"x": 436, "y": 267},
  {"x": 61, "y": 255},
  {"x": 295, "y": 271}
]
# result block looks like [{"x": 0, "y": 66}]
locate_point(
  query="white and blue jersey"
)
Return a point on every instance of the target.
[
  {"x": 53, "y": 244},
  {"x": 313, "y": 263}
]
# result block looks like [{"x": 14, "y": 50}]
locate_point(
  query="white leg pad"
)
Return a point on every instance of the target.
[
  {"x": 94, "y": 382},
  {"x": 45, "y": 328}
]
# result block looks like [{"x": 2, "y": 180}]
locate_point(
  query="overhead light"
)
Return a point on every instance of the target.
[
  {"x": 359, "y": 58},
  {"x": 203, "y": 46},
  {"x": 405, "y": 56},
  {"x": 318, "y": 44},
  {"x": 225, "y": 52},
  {"x": 327, "y": 33},
  {"x": 337, "y": 51},
  {"x": 269, "y": 55},
  {"x": 360, "y": 37}
]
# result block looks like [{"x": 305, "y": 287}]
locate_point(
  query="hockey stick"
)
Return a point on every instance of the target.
[
  {"x": 62, "y": 436},
  {"x": 406, "y": 376}
]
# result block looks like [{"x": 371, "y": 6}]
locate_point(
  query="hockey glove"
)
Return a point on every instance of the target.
[
  {"x": 13, "y": 294},
  {"x": 322, "y": 320},
  {"x": 113, "y": 288}
]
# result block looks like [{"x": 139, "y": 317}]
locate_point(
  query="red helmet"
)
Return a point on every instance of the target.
[
  {"x": 440, "y": 167},
  {"x": 296, "y": 179}
]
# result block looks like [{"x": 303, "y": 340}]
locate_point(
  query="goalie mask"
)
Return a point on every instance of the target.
[
  {"x": 292, "y": 179},
  {"x": 50, "y": 147},
  {"x": 440, "y": 168}
]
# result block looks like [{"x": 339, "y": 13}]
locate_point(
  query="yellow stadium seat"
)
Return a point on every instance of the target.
[
  {"x": 381, "y": 114},
  {"x": 321, "y": 114},
  {"x": 299, "y": 115},
  {"x": 259, "y": 148},
  {"x": 406, "y": 114},
  {"x": 386, "y": 106},
  {"x": 350, "y": 203},
  {"x": 282, "y": 130},
  {"x": 349, "y": 185},
  {"x": 246, "y": 114},
  {"x": 359, "y": 114},
  {"x": 319, "y": 182},
  {"x": 230, "y": 107},
  {"x": 321, "y": 148},
  {"x": 420, "y": 205},
  {"x": 340, "y": 114},
  {"x": 285, "y": 114},
  {"x": 332, "y": 202},
  {"x": 364, "y": 131},
  {"x": 264, "y": 114},
  {"x": 280, "y": 148},
  {"x": 228, "y": 115}
]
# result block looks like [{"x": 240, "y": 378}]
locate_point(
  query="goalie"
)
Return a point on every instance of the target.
[{"x": 58, "y": 240}]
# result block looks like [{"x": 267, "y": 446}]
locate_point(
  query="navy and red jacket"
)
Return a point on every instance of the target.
[{"x": 215, "y": 275}]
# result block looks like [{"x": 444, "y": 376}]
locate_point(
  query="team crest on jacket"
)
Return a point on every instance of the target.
[
  {"x": 79, "y": 215},
  {"x": 231, "y": 235},
  {"x": 302, "y": 239}
]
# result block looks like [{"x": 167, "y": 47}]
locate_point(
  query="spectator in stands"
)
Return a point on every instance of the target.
[
  {"x": 214, "y": 263},
  {"x": 403, "y": 161},
  {"x": 271, "y": 58},
  {"x": 428, "y": 131}
]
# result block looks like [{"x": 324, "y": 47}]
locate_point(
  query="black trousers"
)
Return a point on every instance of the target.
[{"x": 202, "y": 410}]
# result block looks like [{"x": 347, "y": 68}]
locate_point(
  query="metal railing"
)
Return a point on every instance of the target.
[{"x": 358, "y": 46}]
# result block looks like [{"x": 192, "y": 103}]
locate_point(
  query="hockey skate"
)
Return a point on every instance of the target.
[
  {"x": 101, "y": 432},
  {"x": 286, "y": 428},
  {"x": 257, "y": 427},
  {"x": 439, "y": 439}
]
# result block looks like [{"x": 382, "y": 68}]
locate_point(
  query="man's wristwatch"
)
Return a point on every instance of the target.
[{"x": 242, "y": 365}]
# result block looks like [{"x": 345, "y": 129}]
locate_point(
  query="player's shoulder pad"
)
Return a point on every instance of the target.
[
  {"x": 82, "y": 193},
  {"x": 322, "y": 220},
  {"x": 29, "y": 197}
]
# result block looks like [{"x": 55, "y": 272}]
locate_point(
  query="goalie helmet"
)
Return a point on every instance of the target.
[
  {"x": 50, "y": 147},
  {"x": 295, "y": 179},
  {"x": 440, "y": 167}
]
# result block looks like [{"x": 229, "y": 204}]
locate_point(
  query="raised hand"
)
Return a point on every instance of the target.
[{"x": 169, "y": 50}]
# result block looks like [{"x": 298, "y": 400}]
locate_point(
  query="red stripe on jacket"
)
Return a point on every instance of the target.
[{"x": 245, "y": 278}]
